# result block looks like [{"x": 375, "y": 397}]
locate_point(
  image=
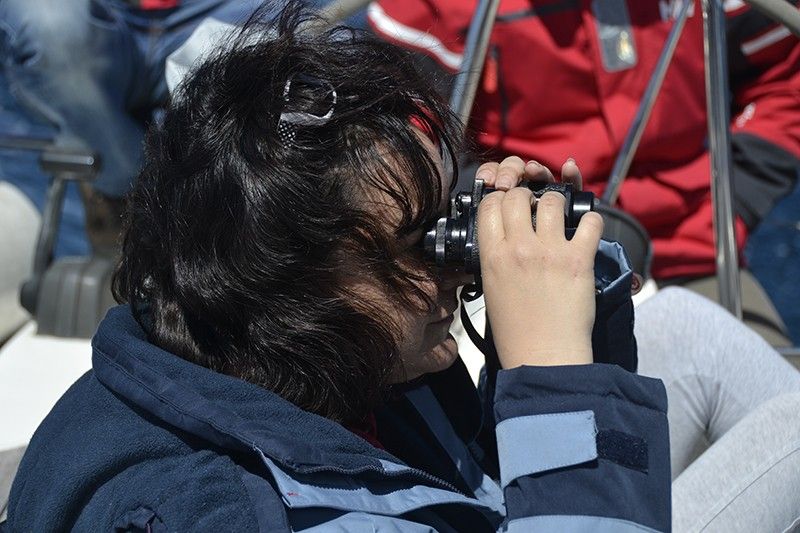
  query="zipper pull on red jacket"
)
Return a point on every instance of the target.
[{"x": 490, "y": 73}]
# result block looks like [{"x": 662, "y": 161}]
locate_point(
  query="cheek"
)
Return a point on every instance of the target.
[
  {"x": 412, "y": 324},
  {"x": 421, "y": 362}
]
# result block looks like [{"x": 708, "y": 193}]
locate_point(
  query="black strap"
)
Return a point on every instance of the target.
[
  {"x": 470, "y": 293},
  {"x": 624, "y": 449},
  {"x": 485, "y": 344}
]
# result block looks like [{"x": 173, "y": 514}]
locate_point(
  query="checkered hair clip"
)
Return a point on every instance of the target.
[{"x": 290, "y": 122}]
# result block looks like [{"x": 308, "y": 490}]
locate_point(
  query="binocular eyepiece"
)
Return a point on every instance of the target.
[{"x": 453, "y": 240}]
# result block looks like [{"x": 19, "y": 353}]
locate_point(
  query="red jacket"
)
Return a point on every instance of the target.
[{"x": 548, "y": 93}]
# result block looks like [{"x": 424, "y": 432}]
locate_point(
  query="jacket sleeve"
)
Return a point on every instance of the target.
[
  {"x": 586, "y": 448},
  {"x": 764, "y": 63},
  {"x": 583, "y": 448}
]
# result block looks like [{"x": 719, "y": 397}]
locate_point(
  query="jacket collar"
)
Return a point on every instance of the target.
[
  {"x": 313, "y": 461},
  {"x": 226, "y": 411}
]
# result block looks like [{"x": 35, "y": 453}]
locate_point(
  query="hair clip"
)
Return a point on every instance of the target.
[{"x": 291, "y": 121}]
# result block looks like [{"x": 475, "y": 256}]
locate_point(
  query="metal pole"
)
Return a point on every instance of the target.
[
  {"x": 631, "y": 143},
  {"x": 714, "y": 48},
  {"x": 10, "y": 142},
  {"x": 469, "y": 75},
  {"x": 49, "y": 228}
]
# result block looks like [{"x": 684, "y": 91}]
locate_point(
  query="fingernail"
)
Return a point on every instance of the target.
[
  {"x": 570, "y": 160},
  {"x": 484, "y": 174},
  {"x": 532, "y": 162}
]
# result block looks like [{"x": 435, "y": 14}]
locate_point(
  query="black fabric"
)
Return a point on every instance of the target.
[
  {"x": 741, "y": 28},
  {"x": 624, "y": 449},
  {"x": 456, "y": 393},
  {"x": 405, "y": 434},
  {"x": 763, "y": 173},
  {"x": 470, "y": 412},
  {"x": 540, "y": 11},
  {"x": 613, "y": 341}
]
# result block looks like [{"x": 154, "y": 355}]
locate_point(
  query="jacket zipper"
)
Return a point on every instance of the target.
[{"x": 416, "y": 472}]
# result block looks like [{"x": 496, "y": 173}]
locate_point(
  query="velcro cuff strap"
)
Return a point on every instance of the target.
[
  {"x": 537, "y": 443},
  {"x": 623, "y": 449}
]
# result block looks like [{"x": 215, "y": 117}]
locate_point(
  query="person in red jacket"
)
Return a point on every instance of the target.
[{"x": 564, "y": 79}]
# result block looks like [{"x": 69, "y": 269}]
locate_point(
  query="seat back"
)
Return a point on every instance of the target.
[
  {"x": 74, "y": 295},
  {"x": 626, "y": 230}
]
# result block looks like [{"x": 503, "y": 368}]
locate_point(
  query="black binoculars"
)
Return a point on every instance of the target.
[{"x": 453, "y": 240}]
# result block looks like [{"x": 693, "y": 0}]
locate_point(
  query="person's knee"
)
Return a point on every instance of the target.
[
  {"x": 680, "y": 302},
  {"x": 40, "y": 36},
  {"x": 752, "y": 467},
  {"x": 783, "y": 413},
  {"x": 673, "y": 313},
  {"x": 682, "y": 333},
  {"x": 685, "y": 312}
]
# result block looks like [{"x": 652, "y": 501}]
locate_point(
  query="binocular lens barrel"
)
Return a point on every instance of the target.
[{"x": 454, "y": 241}]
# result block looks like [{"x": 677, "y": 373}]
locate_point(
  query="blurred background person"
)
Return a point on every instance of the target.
[
  {"x": 90, "y": 74},
  {"x": 85, "y": 75},
  {"x": 564, "y": 79}
]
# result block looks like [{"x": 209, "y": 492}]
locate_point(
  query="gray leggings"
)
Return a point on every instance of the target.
[{"x": 734, "y": 415}]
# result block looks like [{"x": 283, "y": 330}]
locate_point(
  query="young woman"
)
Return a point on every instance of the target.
[{"x": 282, "y": 360}]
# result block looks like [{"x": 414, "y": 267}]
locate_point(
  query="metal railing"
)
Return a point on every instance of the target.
[
  {"x": 716, "y": 65},
  {"x": 718, "y": 110},
  {"x": 719, "y": 139}
]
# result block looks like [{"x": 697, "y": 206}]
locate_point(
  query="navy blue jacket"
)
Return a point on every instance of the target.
[{"x": 147, "y": 441}]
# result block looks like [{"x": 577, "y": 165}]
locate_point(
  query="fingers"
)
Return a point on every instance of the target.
[
  {"x": 535, "y": 171},
  {"x": 507, "y": 216},
  {"x": 487, "y": 172},
  {"x": 550, "y": 216},
  {"x": 570, "y": 173},
  {"x": 512, "y": 171},
  {"x": 589, "y": 232},
  {"x": 516, "y": 211},
  {"x": 504, "y": 216},
  {"x": 504, "y": 175},
  {"x": 490, "y": 219}
]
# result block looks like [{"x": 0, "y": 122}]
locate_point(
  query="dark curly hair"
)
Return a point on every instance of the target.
[{"x": 237, "y": 243}]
